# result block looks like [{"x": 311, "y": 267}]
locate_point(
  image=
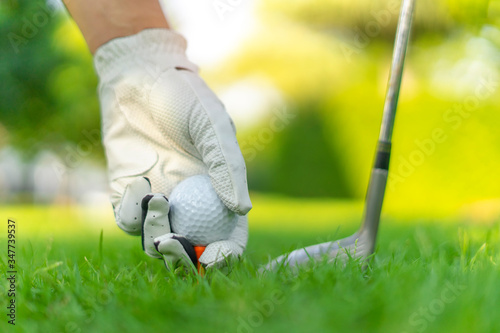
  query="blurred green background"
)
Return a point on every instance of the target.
[
  {"x": 304, "y": 82},
  {"x": 306, "y": 90}
]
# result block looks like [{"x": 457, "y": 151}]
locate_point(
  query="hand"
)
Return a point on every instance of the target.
[
  {"x": 157, "y": 131},
  {"x": 158, "y": 240}
]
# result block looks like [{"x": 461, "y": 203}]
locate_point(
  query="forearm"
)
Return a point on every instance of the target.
[{"x": 103, "y": 20}]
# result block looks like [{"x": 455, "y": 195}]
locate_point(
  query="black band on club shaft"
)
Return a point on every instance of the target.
[{"x": 383, "y": 156}]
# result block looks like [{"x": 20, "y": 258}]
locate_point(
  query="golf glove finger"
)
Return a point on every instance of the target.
[
  {"x": 157, "y": 239},
  {"x": 155, "y": 221},
  {"x": 217, "y": 253},
  {"x": 176, "y": 251}
]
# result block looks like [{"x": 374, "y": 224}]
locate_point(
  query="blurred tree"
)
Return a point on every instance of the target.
[
  {"x": 378, "y": 16},
  {"x": 48, "y": 88},
  {"x": 307, "y": 164}
]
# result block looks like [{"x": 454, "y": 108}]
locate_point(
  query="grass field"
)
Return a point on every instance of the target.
[{"x": 427, "y": 276}]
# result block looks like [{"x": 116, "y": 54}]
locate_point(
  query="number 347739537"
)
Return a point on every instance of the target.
[{"x": 11, "y": 240}]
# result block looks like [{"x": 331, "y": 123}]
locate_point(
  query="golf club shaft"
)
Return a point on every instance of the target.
[
  {"x": 398, "y": 60},
  {"x": 380, "y": 171}
]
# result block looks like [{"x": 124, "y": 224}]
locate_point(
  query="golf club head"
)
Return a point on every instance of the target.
[
  {"x": 359, "y": 245},
  {"x": 340, "y": 249}
]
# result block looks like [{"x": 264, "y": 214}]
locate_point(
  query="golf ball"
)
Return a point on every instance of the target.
[{"x": 197, "y": 213}]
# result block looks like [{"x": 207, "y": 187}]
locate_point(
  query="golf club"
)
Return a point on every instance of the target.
[{"x": 362, "y": 243}]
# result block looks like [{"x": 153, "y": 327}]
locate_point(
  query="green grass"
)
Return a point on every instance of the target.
[{"x": 425, "y": 277}]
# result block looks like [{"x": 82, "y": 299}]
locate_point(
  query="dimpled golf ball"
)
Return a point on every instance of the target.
[{"x": 197, "y": 213}]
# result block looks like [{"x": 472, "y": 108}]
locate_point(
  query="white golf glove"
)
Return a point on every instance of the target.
[{"x": 161, "y": 124}]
